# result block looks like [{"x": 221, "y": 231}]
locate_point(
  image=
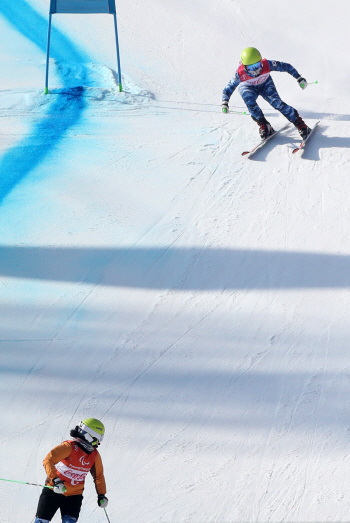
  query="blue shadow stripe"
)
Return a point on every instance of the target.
[
  {"x": 148, "y": 267},
  {"x": 65, "y": 109}
]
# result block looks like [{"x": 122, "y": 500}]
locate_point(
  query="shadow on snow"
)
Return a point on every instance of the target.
[{"x": 181, "y": 269}]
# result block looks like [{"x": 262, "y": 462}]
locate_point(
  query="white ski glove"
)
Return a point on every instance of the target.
[
  {"x": 58, "y": 486},
  {"x": 224, "y": 106},
  {"x": 302, "y": 82},
  {"x": 102, "y": 501}
]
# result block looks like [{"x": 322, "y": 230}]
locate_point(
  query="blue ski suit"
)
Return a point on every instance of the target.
[{"x": 251, "y": 87}]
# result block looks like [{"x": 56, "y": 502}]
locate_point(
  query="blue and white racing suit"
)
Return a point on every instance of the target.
[{"x": 251, "y": 87}]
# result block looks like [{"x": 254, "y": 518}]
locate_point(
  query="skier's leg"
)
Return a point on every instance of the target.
[
  {"x": 270, "y": 94},
  {"x": 249, "y": 95},
  {"x": 69, "y": 519},
  {"x": 70, "y": 508},
  {"x": 48, "y": 505}
]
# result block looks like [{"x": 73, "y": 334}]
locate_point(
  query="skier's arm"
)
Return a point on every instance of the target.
[
  {"x": 283, "y": 67},
  {"x": 230, "y": 87},
  {"x": 97, "y": 474},
  {"x": 55, "y": 456}
]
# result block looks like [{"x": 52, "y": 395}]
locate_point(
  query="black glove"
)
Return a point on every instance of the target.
[
  {"x": 224, "y": 106},
  {"x": 58, "y": 486},
  {"x": 102, "y": 501},
  {"x": 302, "y": 82}
]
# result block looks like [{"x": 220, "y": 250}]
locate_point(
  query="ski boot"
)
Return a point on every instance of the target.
[
  {"x": 265, "y": 128},
  {"x": 303, "y": 129}
]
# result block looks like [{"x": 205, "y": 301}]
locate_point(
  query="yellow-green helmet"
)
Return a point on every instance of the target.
[
  {"x": 92, "y": 430},
  {"x": 250, "y": 56}
]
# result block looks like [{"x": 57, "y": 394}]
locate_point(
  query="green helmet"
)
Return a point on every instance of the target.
[
  {"x": 250, "y": 56},
  {"x": 92, "y": 430}
]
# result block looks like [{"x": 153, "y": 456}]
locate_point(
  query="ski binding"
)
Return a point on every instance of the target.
[{"x": 302, "y": 145}]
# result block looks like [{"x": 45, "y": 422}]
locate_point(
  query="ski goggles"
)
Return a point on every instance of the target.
[
  {"x": 91, "y": 436},
  {"x": 254, "y": 69}
]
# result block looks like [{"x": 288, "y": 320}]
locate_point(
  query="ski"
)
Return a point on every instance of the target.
[
  {"x": 248, "y": 154},
  {"x": 302, "y": 145}
]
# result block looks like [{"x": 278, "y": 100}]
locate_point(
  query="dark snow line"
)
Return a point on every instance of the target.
[{"x": 177, "y": 268}]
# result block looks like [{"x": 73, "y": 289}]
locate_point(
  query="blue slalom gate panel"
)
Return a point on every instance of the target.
[{"x": 82, "y": 6}]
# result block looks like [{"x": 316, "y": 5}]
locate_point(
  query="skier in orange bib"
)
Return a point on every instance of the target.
[{"x": 67, "y": 466}]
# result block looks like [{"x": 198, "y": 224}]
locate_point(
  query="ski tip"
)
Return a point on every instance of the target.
[
  {"x": 245, "y": 153},
  {"x": 296, "y": 150}
]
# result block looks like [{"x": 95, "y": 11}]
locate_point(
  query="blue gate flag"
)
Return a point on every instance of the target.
[{"x": 82, "y": 6}]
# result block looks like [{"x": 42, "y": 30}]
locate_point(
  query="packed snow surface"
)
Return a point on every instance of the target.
[{"x": 195, "y": 301}]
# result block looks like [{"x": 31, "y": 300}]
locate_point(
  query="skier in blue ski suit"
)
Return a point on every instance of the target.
[{"x": 252, "y": 80}]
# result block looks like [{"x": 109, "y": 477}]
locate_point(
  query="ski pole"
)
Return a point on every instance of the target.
[
  {"x": 310, "y": 83},
  {"x": 25, "y": 483},
  {"x": 107, "y": 516},
  {"x": 234, "y": 112}
]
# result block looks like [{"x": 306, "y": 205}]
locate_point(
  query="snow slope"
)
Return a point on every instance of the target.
[{"x": 195, "y": 301}]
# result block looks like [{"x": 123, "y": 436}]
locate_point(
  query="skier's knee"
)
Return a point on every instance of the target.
[
  {"x": 68, "y": 519},
  {"x": 278, "y": 104}
]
